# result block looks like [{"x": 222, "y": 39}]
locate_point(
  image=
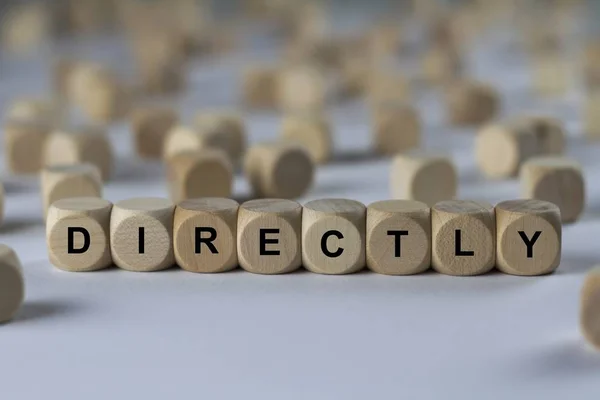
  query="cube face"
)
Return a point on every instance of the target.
[
  {"x": 65, "y": 181},
  {"x": 398, "y": 237},
  {"x": 464, "y": 237},
  {"x": 206, "y": 173},
  {"x": 77, "y": 233},
  {"x": 425, "y": 178},
  {"x": 557, "y": 180},
  {"x": 269, "y": 236},
  {"x": 204, "y": 235},
  {"x": 260, "y": 88},
  {"x": 333, "y": 236},
  {"x": 25, "y": 141},
  {"x": 150, "y": 126},
  {"x": 141, "y": 234},
  {"x": 396, "y": 129},
  {"x": 528, "y": 237},
  {"x": 12, "y": 287},
  {"x": 589, "y": 309},
  {"x": 279, "y": 170},
  {"x": 312, "y": 132}
]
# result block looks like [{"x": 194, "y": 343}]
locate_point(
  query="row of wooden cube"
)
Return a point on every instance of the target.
[{"x": 328, "y": 236}]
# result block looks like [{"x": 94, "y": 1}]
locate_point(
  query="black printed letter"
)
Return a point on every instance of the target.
[
  {"x": 70, "y": 240},
  {"x": 530, "y": 243},
  {"x": 264, "y": 241},
  {"x": 397, "y": 235},
  {"x": 207, "y": 241},
  {"x": 328, "y": 253},
  {"x": 457, "y": 250}
]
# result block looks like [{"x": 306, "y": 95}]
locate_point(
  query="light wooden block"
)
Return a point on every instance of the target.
[
  {"x": 87, "y": 144},
  {"x": 98, "y": 92},
  {"x": 398, "y": 237},
  {"x": 45, "y": 111},
  {"x": 25, "y": 27},
  {"x": 592, "y": 115},
  {"x": 471, "y": 103},
  {"x": 441, "y": 65},
  {"x": 65, "y": 181},
  {"x": 422, "y": 177},
  {"x": 24, "y": 142},
  {"x": 313, "y": 131},
  {"x": 203, "y": 173},
  {"x": 558, "y": 180},
  {"x": 150, "y": 126},
  {"x": 141, "y": 234},
  {"x": 551, "y": 75},
  {"x": 501, "y": 149},
  {"x": 159, "y": 56},
  {"x": 387, "y": 86},
  {"x": 333, "y": 236},
  {"x": 204, "y": 235},
  {"x": 279, "y": 170},
  {"x": 591, "y": 66},
  {"x": 303, "y": 88},
  {"x": 259, "y": 87},
  {"x": 269, "y": 239},
  {"x": 396, "y": 128},
  {"x": 464, "y": 237},
  {"x": 12, "y": 285},
  {"x": 77, "y": 234},
  {"x": 549, "y": 132},
  {"x": 589, "y": 308},
  {"x": 182, "y": 139},
  {"x": 528, "y": 237},
  {"x": 225, "y": 131}
]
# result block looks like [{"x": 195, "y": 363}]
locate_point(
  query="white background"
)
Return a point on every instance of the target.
[{"x": 174, "y": 334}]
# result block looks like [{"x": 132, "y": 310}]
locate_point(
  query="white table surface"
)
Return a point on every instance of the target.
[{"x": 179, "y": 335}]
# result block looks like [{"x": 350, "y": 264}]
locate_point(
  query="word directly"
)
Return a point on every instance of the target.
[{"x": 329, "y": 236}]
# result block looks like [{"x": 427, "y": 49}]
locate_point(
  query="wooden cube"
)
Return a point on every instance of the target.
[
  {"x": 464, "y": 237},
  {"x": 269, "y": 239},
  {"x": 72, "y": 180},
  {"x": 398, "y": 237},
  {"x": 558, "y": 180},
  {"x": 150, "y": 126},
  {"x": 551, "y": 75},
  {"x": 98, "y": 92},
  {"x": 589, "y": 308},
  {"x": 422, "y": 177},
  {"x": 303, "y": 88},
  {"x": 225, "y": 131},
  {"x": 25, "y": 27},
  {"x": 387, "y": 87},
  {"x": 333, "y": 236},
  {"x": 141, "y": 234},
  {"x": 203, "y": 173},
  {"x": 279, "y": 170},
  {"x": 160, "y": 56},
  {"x": 86, "y": 144},
  {"x": 441, "y": 65},
  {"x": 259, "y": 87},
  {"x": 24, "y": 142},
  {"x": 471, "y": 103},
  {"x": 592, "y": 115},
  {"x": 45, "y": 111},
  {"x": 549, "y": 132},
  {"x": 396, "y": 128},
  {"x": 77, "y": 234},
  {"x": 12, "y": 285},
  {"x": 528, "y": 237},
  {"x": 204, "y": 235},
  {"x": 501, "y": 149},
  {"x": 313, "y": 131}
]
